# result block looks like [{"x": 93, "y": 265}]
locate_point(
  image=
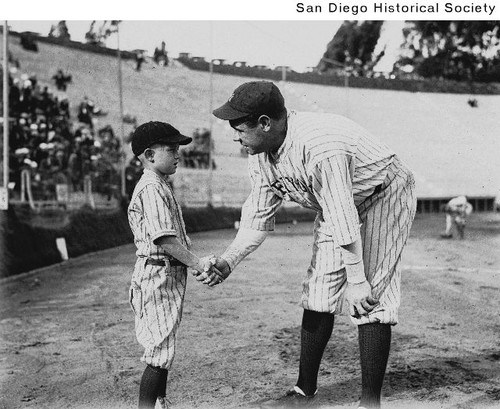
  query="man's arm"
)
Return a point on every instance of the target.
[
  {"x": 245, "y": 242},
  {"x": 359, "y": 291},
  {"x": 332, "y": 182}
]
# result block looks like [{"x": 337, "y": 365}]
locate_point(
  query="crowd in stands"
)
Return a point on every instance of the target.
[
  {"x": 197, "y": 154},
  {"x": 61, "y": 148},
  {"x": 53, "y": 146}
]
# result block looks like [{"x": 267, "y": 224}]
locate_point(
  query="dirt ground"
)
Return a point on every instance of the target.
[{"x": 67, "y": 338}]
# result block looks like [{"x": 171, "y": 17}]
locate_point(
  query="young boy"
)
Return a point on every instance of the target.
[{"x": 159, "y": 279}]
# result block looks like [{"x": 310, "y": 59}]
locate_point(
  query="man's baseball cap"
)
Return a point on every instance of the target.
[
  {"x": 252, "y": 98},
  {"x": 153, "y": 132}
]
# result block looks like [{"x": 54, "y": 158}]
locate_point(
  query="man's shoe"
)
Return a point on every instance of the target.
[
  {"x": 294, "y": 398},
  {"x": 162, "y": 403}
]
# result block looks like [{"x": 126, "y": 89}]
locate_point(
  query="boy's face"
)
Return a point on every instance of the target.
[{"x": 163, "y": 159}]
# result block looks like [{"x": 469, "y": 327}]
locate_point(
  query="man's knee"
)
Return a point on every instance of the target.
[{"x": 313, "y": 319}]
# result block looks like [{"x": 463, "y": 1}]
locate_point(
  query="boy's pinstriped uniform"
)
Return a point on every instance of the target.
[
  {"x": 156, "y": 292},
  {"x": 358, "y": 187}
]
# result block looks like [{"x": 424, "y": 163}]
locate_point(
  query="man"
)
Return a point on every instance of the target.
[
  {"x": 365, "y": 203},
  {"x": 457, "y": 210}
]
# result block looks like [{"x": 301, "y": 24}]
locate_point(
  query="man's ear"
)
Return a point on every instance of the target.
[{"x": 264, "y": 122}]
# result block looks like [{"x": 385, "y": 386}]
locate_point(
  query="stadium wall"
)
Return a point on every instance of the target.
[
  {"x": 199, "y": 64},
  {"x": 28, "y": 241},
  {"x": 396, "y": 84}
]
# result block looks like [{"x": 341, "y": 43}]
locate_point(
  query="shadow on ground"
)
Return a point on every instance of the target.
[{"x": 423, "y": 377}]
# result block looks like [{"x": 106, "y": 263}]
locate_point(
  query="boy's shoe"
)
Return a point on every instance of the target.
[
  {"x": 162, "y": 403},
  {"x": 294, "y": 398},
  {"x": 446, "y": 235}
]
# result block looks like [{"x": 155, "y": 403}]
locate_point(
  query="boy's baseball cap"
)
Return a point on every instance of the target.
[
  {"x": 256, "y": 97},
  {"x": 153, "y": 132}
]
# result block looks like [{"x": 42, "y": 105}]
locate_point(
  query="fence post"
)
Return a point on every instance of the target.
[
  {"x": 26, "y": 187},
  {"x": 87, "y": 190},
  {"x": 5, "y": 98}
]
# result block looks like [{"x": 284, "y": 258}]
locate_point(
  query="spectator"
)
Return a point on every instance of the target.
[
  {"x": 61, "y": 79},
  {"x": 197, "y": 154},
  {"x": 160, "y": 55},
  {"x": 139, "y": 60},
  {"x": 133, "y": 173},
  {"x": 87, "y": 111},
  {"x": 14, "y": 96},
  {"x": 59, "y": 31},
  {"x": 28, "y": 41}
]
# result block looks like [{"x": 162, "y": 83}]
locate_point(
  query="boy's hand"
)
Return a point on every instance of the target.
[{"x": 205, "y": 272}]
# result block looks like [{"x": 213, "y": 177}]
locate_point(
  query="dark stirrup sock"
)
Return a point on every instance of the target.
[
  {"x": 374, "y": 347},
  {"x": 153, "y": 385},
  {"x": 316, "y": 331}
]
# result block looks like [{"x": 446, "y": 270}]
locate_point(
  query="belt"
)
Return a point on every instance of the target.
[
  {"x": 377, "y": 190},
  {"x": 172, "y": 261}
]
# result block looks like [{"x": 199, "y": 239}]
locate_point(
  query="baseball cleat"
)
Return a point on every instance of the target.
[
  {"x": 162, "y": 403},
  {"x": 291, "y": 399}
]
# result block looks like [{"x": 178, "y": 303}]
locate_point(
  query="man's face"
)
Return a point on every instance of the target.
[{"x": 254, "y": 139}]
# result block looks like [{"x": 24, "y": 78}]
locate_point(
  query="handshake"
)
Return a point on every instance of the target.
[{"x": 211, "y": 270}]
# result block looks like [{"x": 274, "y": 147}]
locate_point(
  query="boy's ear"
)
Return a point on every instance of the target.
[{"x": 149, "y": 154}]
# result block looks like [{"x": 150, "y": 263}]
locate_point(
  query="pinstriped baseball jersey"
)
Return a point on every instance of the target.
[
  {"x": 332, "y": 165},
  {"x": 156, "y": 292},
  {"x": 324, "y": 162},
  {"x": 153, "y": 212}
]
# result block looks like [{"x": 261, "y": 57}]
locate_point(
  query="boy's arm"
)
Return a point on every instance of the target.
[{"x": 176, "y": 249}]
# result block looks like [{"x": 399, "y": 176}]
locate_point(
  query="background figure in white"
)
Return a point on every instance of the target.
[{"x": 457, "y": 210}]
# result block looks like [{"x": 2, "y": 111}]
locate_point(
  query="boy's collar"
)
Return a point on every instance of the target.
[{"x": 153, "y": 173}]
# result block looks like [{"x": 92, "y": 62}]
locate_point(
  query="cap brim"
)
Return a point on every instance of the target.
[
  {"x": 171, "y": 140},
  {"x": 228, "y": 113},
  {"x": 184, "y": 140}
]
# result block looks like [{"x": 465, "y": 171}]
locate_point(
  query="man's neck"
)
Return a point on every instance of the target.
[{"x": 280, "y": 139}]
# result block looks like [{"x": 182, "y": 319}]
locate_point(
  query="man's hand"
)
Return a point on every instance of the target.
[
  {"x": 211, "y": 274},
  {"x": 222, "y": 268},
  {"x": 360, "y": 300}
]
